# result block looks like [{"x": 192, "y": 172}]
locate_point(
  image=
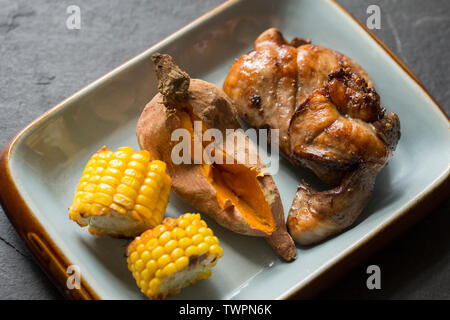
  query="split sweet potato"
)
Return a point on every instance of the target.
[{"x": 240, "y": 194}]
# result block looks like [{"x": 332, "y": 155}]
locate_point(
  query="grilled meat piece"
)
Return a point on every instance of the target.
[
  {"x": 270, "y": 82},
  {"x": 323, "y": 131},
  {"x": 330, "y": 121}
]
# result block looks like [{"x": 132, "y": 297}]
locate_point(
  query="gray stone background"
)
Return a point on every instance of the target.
[{"x": 41, "y": 63}]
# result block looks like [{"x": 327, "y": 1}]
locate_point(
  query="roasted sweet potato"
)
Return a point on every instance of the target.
[{"x": 239, "y": 195}]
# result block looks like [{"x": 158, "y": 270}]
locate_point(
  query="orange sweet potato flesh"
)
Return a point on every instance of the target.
[
  {"x": 241, "y": 197},
  {"x": 237, "y": 185}
]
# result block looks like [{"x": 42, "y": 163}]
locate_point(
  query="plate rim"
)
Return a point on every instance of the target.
[{"x": 54, "y": 262}]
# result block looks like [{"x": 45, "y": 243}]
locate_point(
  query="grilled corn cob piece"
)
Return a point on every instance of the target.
[
  {"x": 121, "y": 193},
  {"x": 173, "y": 255}
]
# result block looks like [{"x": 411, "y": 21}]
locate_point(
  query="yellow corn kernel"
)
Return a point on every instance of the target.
[
  {"x": 103, "y": 199},
  {"x": 185, "y": 242},
  {"x": 170, "y": 246},
  {"x": 143, "y": 211},
  {"x": 191, "y": 231},
  {"x": 176, "y": 246},
  {"x": 178, "y": 233},
  {"x": 124, "y": 182},
  {"x": 163, "y": 260},
  {"x": 124, "y": 153},
  {"x": 182, "y": 262},
  {"x": 127, "y": 191},
  {"x": 169, "y": 269},
  {"x": 192, "y": 251},
  {"x": 145, "y": 201},
  {"x": 151, "y": 266},
  {"x": 164, "y": 238},
  {"x": 147, "y": 191},
  {"x": 145, "y": 256},
  {"x": 124, "y": 201},
  {"x": 205, "y": 231},
  {"x": 118, "y": 164},
  {"x": 142, "y": 156},
  {"x": 215, "y": 249},
  {"x": 136, "y": 165},
  {"x": 176, "y": 253},
  {"x": 105, "y": 188},
  {"x": 157, "y": 252},
  {"x": 154, "y": 284},
  {"x": 202, "y": 248},
  {"x": 138, "y": 175},
  {"x": 131, "y": 182},
  {"x": 113, "y": 172},
  {"x": 118, "y": 208}
]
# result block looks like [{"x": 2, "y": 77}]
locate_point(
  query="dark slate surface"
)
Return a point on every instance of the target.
[{"x": 41, "y": 63}]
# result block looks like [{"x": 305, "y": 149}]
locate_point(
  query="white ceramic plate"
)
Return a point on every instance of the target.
[{"x": 42, "y": 165}]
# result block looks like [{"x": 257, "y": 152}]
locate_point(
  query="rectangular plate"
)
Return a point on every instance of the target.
[{"x": 42, "y": 165}]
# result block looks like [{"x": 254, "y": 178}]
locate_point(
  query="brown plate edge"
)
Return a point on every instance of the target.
[
  {"x": 51, "y": 259},
  {"x": 55, "y": 263}
]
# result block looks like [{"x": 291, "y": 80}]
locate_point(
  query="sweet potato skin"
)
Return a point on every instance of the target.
[
  {"x": 154, "y": 130},
  {"x": 211, "y": 105}
]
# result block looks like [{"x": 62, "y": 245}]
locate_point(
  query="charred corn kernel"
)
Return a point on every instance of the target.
[
  {"x": 124, "y": 187},
  {"x": 173, "y": 255}
]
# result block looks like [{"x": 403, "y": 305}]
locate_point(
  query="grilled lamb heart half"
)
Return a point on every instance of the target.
[
  {"x": 340, "y": 126},
  {"x": 330, "y": 121}
]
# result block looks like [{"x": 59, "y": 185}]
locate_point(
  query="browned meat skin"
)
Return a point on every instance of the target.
[
  {"x": 314, "y": 216},
  {"x": 333, "y": 126},
  {"x": 330, "y": 120},
  {"x": 269, "y": 83},
  {"x": 263, "y": 84},
  {"x": 341, "y": 126}
]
